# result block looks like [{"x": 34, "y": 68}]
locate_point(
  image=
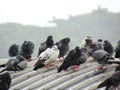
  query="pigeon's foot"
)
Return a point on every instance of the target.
[
  {"x": 74, "y": 67},
  {"x": 48, "y": 65},
  {"x": 89, "y": 56},
  {"x": 28, "y": 59},
  {"x": 101, "y": 68},
  {"x": 61, "y": 59}
]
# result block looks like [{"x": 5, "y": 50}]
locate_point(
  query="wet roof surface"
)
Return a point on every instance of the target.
[{"x": 87, "y": 77}]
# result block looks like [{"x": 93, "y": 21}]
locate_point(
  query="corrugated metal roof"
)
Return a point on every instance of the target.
[{"x": 87, "y": 77}]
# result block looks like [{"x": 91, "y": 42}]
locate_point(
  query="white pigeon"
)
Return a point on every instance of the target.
[{"x": 47, "y": 57}]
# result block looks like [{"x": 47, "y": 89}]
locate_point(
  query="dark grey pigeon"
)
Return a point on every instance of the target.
[
  {"x": 84, "y": 55},
  {"x": 47, "y": 44},
  {"x": 93, "y": 48},
  {"x": 13, "y": 50},
  {"x": 27, "y": 49},
  {"x": 5, "y": 81},
  {"x": 100, "y": 43},
  {"x": 63, "y": 46},
  {"x": 117, "y": 50},
  {"x": 108, "y": 47},
  {"x": 112, "y": 82},
  {"x": 74, "y": 57}
]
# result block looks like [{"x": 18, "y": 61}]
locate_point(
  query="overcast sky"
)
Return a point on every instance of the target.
[{"x": 39, "y": 12}]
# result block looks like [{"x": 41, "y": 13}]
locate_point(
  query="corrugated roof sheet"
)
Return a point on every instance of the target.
[{"x": 87, "y": 77}]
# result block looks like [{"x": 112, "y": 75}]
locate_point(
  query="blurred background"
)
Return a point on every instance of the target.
[{"x": 34, "y": 20}]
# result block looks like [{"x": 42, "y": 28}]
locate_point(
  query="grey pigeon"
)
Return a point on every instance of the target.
[{"x": 15, "y": 64}]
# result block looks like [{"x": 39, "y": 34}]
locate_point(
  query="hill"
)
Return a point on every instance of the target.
[{"x": 99, "y": 23}]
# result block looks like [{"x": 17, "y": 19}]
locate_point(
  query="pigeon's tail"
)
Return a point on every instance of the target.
[
  {"x": 105, "y": 83},
  {"x": 117, "y": 68},
  {"x": 38, "y": 66},
  {"x": 3, "y": 70},
  {"x": 3, "y": 65},
  {"x": 116, "y": 61},
  {"x": 101, "y": 85},
  {"x": 64, "y": 66},
  {"x": 59, "y": 69},
  {"x": 7, "y": 69}
]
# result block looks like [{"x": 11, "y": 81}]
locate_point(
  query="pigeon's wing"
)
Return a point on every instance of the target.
[
  {"x": 67, "y": 61},
  {"x": 42, "y": 48},
  {"x": 39, "y": 62},
  {"x": 43, "y": 57},
  {"x": 83, "y": 58},
  {"x": 51, "y": 57}
]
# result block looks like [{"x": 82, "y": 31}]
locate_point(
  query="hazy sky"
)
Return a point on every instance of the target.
[{"x": 38, "y": 12}]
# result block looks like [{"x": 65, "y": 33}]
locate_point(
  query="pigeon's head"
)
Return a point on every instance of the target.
[
  {"x": 25, "y": 43},
  {"x": 106, "y": 43},
  {"x": 88, "y": 37},
  {"x": 84, "y": 50},
  {"x": 55, "y": 47},
  {"x": 50, "y": 37},
  {"x": 99, "y": 40},
  {"x": 77, "y": 48},
  {"x": 4, "y": 74},
  {"x": 88, "y": 41},
  {"x": 119, "y": 42},
  {"x": 78, "y": 51},
  {"x": 67, "y": 40}
]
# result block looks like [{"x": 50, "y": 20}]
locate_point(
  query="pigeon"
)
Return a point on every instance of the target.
[
  {"x": 5, "y": 81},
  {"x": 47, "y": 57},
  {"x": 86, "y": 43},
  {"x": 84, "y": 55},
  {"x": 117, "y": 50},
  {"x": 27, "y": 49},
  {"x": 100, "y": 43},
  {"x": 103, "y": 58},
  {"x": 63, "y": 46},
  {"x": 107, "y": 46},
  {"x": 15, "y": 64},
  {"x": 47, "y": 44},
  {"x": 74, "y": 58},
  {"x": 84, "y": 50},
  {"x": 111, "y": 82},
  {"x": 13, "y": 50},
  {"x": 93, "y": 48}
]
